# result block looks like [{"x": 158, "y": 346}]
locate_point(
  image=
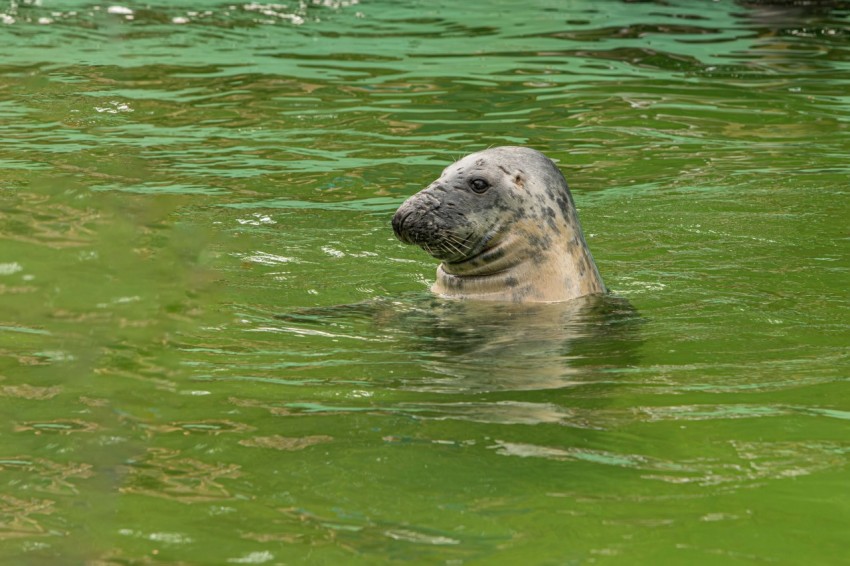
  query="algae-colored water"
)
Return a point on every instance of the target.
[{"x": 214, "y": 351}]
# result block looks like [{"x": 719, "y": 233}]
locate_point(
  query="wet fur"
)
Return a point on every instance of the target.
[{"x": 519, "y": 240}]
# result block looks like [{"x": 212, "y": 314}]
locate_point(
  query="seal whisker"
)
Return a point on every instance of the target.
[
  {"x": 453, "y": 249},
  {"x": 446, "y": 245},
  {"x": 453, "y": 238},
  {"x": 459, "y": 248}
]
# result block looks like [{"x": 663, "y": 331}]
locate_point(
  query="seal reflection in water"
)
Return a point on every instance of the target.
[{"x": 505, "y": 227}]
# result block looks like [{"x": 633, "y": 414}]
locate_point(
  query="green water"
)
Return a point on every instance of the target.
[{"x": 214, "y": 351}]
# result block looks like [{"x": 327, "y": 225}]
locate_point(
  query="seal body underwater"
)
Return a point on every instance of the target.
[{"x": 504, "y": 225}]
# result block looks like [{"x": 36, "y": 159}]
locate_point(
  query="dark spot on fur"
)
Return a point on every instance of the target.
[
  {"x": 517, "y": 214},
  {"x": 519, "y": 295},
  {"x": 511, "y": 282},
  {"x": 550, "y": 219},
  {"x": 505, "y": 171},
  {"x": 538, "y": 242},
  {"x": 564, "y": 205}
]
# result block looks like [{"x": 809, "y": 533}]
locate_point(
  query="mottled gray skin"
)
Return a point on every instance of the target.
[{"x": 505, "y": 227}]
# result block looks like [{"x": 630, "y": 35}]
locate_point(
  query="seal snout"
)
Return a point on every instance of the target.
[
  {"x": 413, "y": 222},
  {"x": 420, "y": 221},
  {"x": 402, "y": 214}
]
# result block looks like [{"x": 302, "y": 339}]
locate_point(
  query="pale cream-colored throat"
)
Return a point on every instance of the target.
[
  {"x": 511, "y": 271},
  {"x": 507, "y": 253}
]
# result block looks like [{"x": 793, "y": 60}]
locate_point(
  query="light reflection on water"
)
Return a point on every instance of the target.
[{"x": 213, "y": 350}]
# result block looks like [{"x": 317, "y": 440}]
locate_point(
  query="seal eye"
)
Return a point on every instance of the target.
[{"x": 479, "y": 185}]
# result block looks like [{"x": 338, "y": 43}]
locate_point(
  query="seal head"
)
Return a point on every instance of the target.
[{"x": 505, "y": 227}]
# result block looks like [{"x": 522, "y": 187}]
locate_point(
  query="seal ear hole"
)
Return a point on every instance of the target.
[{"x": 519, "y": 182}]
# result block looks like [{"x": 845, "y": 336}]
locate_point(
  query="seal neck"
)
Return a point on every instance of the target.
[
  {"x": 490, "y": 262},
  {"x": 513, "y": 271}
]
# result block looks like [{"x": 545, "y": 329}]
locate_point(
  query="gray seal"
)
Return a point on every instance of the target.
[{"x": 504, "y": 225}]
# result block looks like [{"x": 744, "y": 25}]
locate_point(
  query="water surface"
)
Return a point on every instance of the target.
[{"x": 213, "y": 350}]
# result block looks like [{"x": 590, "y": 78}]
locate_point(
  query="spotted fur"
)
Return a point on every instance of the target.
[{"x": 518, "y": 240}]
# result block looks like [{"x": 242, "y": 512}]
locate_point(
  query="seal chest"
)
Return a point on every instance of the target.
[{"x": 503, "y": 223}]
